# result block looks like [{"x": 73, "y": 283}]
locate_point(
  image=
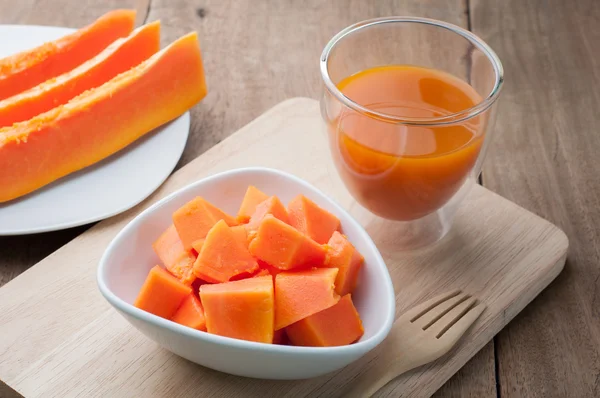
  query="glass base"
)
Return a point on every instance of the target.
[{"x": 390, "y": 236}]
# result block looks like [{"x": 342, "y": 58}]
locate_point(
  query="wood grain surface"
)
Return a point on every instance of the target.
[
  {"x": 496, "y": 251},
  {"x": 545, "y": 158},
  {"x": 544, "y": 155},
  {"x": 256, "y": 54}
]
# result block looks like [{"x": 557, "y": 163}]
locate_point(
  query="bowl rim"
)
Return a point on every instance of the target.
[{"x": 126, "y": 308}]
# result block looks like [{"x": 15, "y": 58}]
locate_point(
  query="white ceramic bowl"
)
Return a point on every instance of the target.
[{"x": 129, "y": 257}]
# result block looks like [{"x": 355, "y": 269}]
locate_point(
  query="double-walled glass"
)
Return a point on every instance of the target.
[{"x": 390, "y": 163}]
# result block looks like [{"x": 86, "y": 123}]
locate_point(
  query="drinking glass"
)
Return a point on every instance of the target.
[{"x": 416, "y": 185}]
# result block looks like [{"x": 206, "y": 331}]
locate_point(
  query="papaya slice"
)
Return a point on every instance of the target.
[
  {"x": 175, "y": 258},
  {"x": 301, "y": 294},
  {"x": 223, "y": 256},
  {"x": 343, "y": 256},
  {"x": 29, "y": 68},
  {"x": 191, "y": 313},
  {"x": 252, "y": 198},
  {"x": 310, "y": 219},
  {"x": 118, "y": 57},
  {"x": 241, "y": 309},
  {"x": 102, "y": 120},
  {"x": 271, "y": 206},
  {"x": 282, "y": 246},
  {"x": 162, "y": 293},
  {"x": 194, "y": 219},
  {"x": 337, "y": 325},
  {"x": 240, "y": 234},
  {"x": 197, "y": 245}
]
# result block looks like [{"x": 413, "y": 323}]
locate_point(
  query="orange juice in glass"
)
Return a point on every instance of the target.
[{"x": 408, "y": 103}]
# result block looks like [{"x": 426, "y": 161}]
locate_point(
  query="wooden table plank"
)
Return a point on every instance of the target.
[
  {"x": 256, "y": 54},
  {"x": 545, "y": 158}
]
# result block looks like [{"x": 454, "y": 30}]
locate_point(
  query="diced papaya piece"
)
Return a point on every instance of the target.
[
  {"x": 161, "y": 294},
  {"x": 310, "y": 219},
  {"x": 191, "y": 313},
  {"x": 120, "y": 56},
  {"x": 252, "y": 198},
  {"x": 241, "y": 234},
  {"x": 101, "y": 121},
  {"x": 176, "y": 259},
  {"x": 239, "y": 231},
  {"x": 301, "y": 294},
  {"x": 29, "y": 68},
  {"x": 271, "y": 206},
  {"x": 337, "y": 325},
  {"x": 282, "y": 246},
  {"x": 194, "y": 219},
  {"x": 343, "y": 256},
  {"x": 223, "y": 255},
  {"x": 241, "y": 309},
  {"x": 197, "y": 245}
]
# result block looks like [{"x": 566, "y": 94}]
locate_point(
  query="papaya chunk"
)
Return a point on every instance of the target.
[
  {"x": 272, "y": 206},
  {"x": 310, "y": 219},
  {"x": 194, "y": 219},
  {"x": 282, "y": 246},
  {"x": 343, "y": 256},
  {"x": 29, "y": 68},
  {"x": 118, "y": 57},
  {"x": 223, "y": 256},
  {"x": 302, "y": 294},
  {"x": 101, "y": 121},
  {"x": 337, "y": 325},
  {"x": 252, "y": 198},
  {"x": 241, "y": 309},
  {"x": 162, "y": 293},
  {"x": 191, "y": 313},
  {"x": 175, "y": 258}
]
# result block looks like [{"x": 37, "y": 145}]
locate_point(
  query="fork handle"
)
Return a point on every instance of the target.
[{"x": 385, "y": 369}]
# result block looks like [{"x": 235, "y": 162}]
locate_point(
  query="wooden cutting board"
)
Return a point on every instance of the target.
[{"x": 59, "y": 338}]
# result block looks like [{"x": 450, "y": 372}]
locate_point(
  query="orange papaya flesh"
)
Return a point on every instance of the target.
[
  {"x": 282, "y": 246},
  {"x": 301, "y": 294},
  {"x": 343, "y": 256},
  {"x": 101, "y": 121},
  {"x": 223, "y": 256},
  {"x": 337, "y": 325},
  {"x": 161, "y": 293},
  {"x": 194, "y": 219},
  {"x": 118, "y": 57},
  {"x": 271, "y": 206},
  {"x": 252, "y": 198},
  {"x": 29, "y": 68},
  {"x": 310, "y": 219},
  {"x": 191, "y": 313},
  {"x": 175, "y": 258},
  {"x": 241, "y": 309}
]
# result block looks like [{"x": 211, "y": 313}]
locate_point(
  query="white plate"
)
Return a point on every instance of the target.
[{"x": 109, "y": 187}]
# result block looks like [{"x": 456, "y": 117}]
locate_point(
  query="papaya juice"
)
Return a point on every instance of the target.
[{"x": 403, "y": 171}]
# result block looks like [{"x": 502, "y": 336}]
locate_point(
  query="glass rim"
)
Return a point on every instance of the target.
[{"x": 448, "y": 119}]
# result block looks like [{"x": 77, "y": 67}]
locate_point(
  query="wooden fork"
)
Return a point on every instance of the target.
[{"x": 420, "y": 335}]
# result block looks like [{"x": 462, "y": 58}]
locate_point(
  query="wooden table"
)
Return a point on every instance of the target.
[{"x": 544, "y": 157}]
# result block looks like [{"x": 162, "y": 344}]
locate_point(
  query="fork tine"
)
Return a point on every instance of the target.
[
  {"x": 434, "y": 314},
  {"x": 451, "y": 332},
  {"x": 420, "y": 309}
]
